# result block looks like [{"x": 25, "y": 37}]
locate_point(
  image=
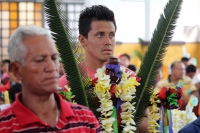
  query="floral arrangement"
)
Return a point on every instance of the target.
[
  {"x": 168, "y": 99},
  {"x": 115, "y": 89},
  {"x": 180, "y": 119},
  {"x": 66, "y": 93}
]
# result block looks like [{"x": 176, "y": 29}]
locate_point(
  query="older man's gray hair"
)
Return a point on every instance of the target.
[{"x": 16, "y": 49}]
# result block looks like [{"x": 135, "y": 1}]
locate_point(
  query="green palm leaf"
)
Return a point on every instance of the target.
[
  {"x": 153, "y": 58},
  {"x": 67, "y": 47},
  {"x": 138, "y": 54}
]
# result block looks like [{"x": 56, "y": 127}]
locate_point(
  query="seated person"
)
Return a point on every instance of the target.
[{"x": 177, "y": 78}]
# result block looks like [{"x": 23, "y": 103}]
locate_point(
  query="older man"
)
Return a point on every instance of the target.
[{"x": 38, "y": 109}]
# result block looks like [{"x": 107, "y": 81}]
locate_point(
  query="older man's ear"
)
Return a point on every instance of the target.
[{"x": 15, "y": 68}]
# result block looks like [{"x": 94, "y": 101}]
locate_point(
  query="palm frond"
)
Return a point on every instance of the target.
[
  {"x": 153, "y": 58},
  {"x": 68, "y": 48},
  {"x": 138, "y": 54}
]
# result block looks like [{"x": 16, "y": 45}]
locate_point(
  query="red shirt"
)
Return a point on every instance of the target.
[{"x": 73, "y": 119}]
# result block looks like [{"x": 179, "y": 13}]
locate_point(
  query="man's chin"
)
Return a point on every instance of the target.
[
  {"x": 51, "y": 88},
  {"x": 106, "y": 58}
]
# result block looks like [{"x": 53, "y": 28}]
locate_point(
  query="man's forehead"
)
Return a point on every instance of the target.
[{"x": 102, "y": 24}]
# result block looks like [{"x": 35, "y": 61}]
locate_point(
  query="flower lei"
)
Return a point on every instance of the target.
[
  {"x": 124, "y": 91},
  {"x": 168, "y": 99},
  {"x": 154, "y": 115}
]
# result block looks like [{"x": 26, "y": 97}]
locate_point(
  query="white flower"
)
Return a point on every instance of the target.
[{"x": 125, "y": 90}]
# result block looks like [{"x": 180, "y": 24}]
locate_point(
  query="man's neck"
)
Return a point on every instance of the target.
[
  {"x": 93, "y": 64},
  {"x": 174, "y": 79},
  {"x": 43, "y": 106}
]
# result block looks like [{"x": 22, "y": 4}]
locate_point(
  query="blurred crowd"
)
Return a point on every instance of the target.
[{"x": 183, "y": 72}]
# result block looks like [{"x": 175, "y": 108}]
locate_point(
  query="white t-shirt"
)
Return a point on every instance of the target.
[{"x": 196, "y": 79}]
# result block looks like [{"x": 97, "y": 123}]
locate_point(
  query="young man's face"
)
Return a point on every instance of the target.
[{"x": 100, "y": 42}]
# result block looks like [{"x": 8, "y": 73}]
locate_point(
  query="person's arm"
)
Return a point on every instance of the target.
[{"x": 144, "y": 125}]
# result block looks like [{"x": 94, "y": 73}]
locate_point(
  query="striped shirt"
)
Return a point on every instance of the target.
[{"x": 73, "y": 119}]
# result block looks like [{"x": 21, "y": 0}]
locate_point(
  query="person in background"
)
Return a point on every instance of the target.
[
  {"x": 191, "y": 71},
  {"x": 34, "y": 62},
  {"x": 5, "y": 66},
  {"x": 13, "y": 91},
  {"x": 132, "y": 68},
  {"x": 125, "y": 60},
  {"x": 185, "y": 61},
  {"x": 177, "y": 78}
]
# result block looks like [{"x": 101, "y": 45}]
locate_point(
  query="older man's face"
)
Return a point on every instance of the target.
[
  {"x": 40, "y": 71},
  {"x": 178, "y": 70}
]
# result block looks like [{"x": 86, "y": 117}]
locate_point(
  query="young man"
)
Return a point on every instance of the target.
[
  {"x": 38, "y": 108},
  {"x": 97, "y": 29}
]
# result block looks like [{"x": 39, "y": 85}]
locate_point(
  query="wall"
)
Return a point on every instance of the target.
[{"x": 174, "y": 52}]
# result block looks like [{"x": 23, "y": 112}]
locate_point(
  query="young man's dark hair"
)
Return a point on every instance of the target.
[
  {"x": 127, "y": 56},
  {"x": 13, "y": 91},
  {"x": 191, "y": 68},
  {"x": 95, "y": 12}
]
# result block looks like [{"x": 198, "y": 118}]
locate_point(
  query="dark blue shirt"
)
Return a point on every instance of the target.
[{"x": 193, "y": 127}]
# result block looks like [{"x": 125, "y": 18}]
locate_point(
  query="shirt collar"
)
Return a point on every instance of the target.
[{"x": 26, "y": 116}]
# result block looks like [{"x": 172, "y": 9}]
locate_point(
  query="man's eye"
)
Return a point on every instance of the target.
[
  {"x": 41, "y": 60},
  {"x": 100, "y": 35},
  {"x": 112, "y": 35},
  {"x": 55, "y": 58}
]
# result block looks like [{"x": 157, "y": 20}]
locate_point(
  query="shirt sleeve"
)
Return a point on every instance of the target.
[
  {"x": 97, "y": 128},
  {"x": 192, "y": 87}
]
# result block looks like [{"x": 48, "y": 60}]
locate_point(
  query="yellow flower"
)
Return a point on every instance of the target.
[{"x": 154, "y": 115}]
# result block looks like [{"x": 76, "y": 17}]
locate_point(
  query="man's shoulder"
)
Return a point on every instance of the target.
[
  {"x": 163, "y": 81},
  {"x": 193, "y": 127},
  {"x": 187, "y": 79},
  {"x": 6, "y": 112},
  {"x": 7, "y": 118}
]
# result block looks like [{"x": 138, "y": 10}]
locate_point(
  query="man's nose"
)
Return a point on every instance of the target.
[
  {"x": 107, "y": 40},
  {"x": 50, "y": 65}
]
